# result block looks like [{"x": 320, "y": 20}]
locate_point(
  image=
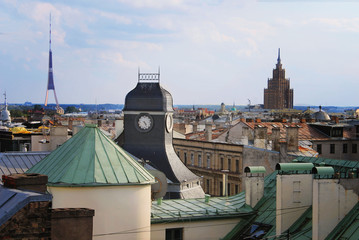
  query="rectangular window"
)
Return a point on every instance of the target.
[
  {"x": 229, "y": 189},
  {"x": 332, "y": 148},
  {"x": 236, "y": 189},
  {"x": 192, "y": 159},
  {"x": 229, "y": 164},
  {"x": 354, "y": 148},
  {"x": 220, "y": 189},
  {"x": 345, "y": 148},
  {"x": 296, "y": 191},
  {"x": 174, "y": 234},
  {"x": 208, "y": 161},
  {"x": 199, "y": 160},
  {"x": 319, "y": 148},
  {"x": 207, "y": 185},
  {"x": 222, "y": 163},
  {"x": 237, "y": 166},
  {"x": 185, "y": 158}
]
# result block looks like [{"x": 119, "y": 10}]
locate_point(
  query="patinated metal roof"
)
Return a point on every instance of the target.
[
  {"x": 285, "y": 167},
  {"x": 91, "y": 159},
  {"x": 197, "y": 209},
  {"x": 255, "y": 169},
  {"x": 348, "y": 228}
]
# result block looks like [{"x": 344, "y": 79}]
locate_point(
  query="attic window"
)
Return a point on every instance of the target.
[
  {"x": 174, "y": 233},
  {"x": 256, "y": 231}
]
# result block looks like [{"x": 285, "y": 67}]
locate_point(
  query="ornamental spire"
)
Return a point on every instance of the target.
[{"x": 278, "y": 60}]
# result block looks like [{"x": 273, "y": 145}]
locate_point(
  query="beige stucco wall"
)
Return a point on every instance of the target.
[
  {"x": 294, "y": 196},
  {"x": 122, "y": 211},
  {"x": 37, "y": 146},
  {"x": 196, "y": 230},
  {"x": 331, "y": 202},
  {"x": 254, "y": 189},
  {"x": 349, "y": 155}
]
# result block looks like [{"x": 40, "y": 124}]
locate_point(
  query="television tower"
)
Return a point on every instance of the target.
[{"x": 50, "y": 79}]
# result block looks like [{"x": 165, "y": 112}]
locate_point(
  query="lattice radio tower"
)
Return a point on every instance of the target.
[{"x": 50, "y": 79}]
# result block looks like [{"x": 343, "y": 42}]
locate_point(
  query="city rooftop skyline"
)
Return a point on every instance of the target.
[{"x": 208, "y": 51}]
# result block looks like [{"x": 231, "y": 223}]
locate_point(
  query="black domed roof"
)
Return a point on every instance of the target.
[{"x": 148, "y": 96}]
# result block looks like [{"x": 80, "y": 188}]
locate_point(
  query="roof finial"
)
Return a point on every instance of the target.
[
  {"x": 5, "y": 103},
  {"x": 278, "y": 60}
]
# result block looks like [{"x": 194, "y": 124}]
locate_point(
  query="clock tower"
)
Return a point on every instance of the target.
[{"x": 148, "y": 123}]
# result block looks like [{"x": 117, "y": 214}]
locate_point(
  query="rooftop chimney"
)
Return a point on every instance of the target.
[
  {"x": 260, "y": 137},
  {"x": 294, "y": 191},
  {"x": 292, "y": 139},
  {"x": 208, "y": 131},
  {"x": 275, "y": 139},
  {"x": 72, "y": 223},
  {"x": 328, "y": 213},
  {"x": 254, "y": 184},
  {"x": 26, "y": 181},
  {"x": 195, "y": 127}
]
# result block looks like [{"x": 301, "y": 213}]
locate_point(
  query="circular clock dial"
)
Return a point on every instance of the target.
[
  {"x": 169, "y": 122},
  {"x": 144, "y": 122}
]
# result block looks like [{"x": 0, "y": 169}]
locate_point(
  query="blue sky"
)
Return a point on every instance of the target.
[{"x": 208, "y": 51}]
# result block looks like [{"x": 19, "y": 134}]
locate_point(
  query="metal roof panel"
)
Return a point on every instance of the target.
[{"x": 91, "y": 159}]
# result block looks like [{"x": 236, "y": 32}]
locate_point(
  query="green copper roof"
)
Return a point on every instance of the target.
[
  {"x": 286, "y": 167},
  {"x": 255, "y": 169},
  {"x": 91, "y": 159},
  {"x": 324, "y": 171},
  {"x": 348, "y": 228},
  {"x": 178, "y": 210}
]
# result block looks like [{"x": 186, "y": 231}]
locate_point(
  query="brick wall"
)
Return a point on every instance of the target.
[{"x": 31, "y": 222}]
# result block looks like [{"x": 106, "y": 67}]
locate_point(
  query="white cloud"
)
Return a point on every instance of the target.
[
  {"x": 112, "y": 16},
  {"x": 157, "y": 4},
  {"x": 337, "y": 24}
]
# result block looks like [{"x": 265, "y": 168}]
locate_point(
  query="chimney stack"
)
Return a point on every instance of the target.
[
  {"x": 327, "y": 214},
  {"x": 275, "y": 139},
  {"x": 254, "y": 184},
  {"x": 195, "y": 127},
  {"x": 292, "y": 139},
  {"x": 208, "y": 131},
  {"x": 260, "y": 137},
  {"x": 294, "y": 191},
  {"x": 26, "y": 181}
]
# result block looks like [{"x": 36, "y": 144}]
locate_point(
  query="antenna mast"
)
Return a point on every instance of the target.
[{"x": 50, "y": 79}]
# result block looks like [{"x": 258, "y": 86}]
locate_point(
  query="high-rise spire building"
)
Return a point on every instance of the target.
[
  {"x": 278, "y": 95},
  {"x": 50, "y": 79}
]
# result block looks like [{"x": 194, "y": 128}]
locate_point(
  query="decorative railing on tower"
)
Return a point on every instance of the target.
[{"x": 149, "y": 77}]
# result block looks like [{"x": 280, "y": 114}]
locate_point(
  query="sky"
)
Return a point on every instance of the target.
[{"x": 208, "y": 51}]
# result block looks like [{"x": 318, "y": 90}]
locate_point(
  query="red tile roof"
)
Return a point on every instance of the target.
[{"x": 305, "y": 131}]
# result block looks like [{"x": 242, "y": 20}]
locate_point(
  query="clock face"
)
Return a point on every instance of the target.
[
  {"x": 144, "y": 122},
  {"x": 169, "y": 122}
]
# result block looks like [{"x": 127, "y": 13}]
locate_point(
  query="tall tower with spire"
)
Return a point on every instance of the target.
[
  {"x": 50, "y": 79},
  {"x": 278, "y": 95}
]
